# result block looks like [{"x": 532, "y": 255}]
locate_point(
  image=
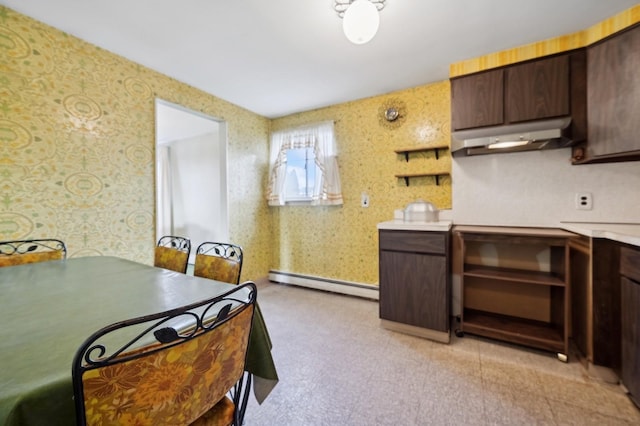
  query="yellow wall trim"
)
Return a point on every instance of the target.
[{"x": 548, "y": 47}]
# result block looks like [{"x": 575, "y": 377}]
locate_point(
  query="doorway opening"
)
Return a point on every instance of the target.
[{"x": 191, "y": 175}]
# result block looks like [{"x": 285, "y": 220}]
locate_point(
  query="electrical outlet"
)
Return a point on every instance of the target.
[
  {"x": 364, "y": 200},
  {"x": 584, "y": 201}
]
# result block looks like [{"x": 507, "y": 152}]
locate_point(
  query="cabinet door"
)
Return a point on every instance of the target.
[
  {"x": 538, "y": 89},
  {"x": 631, "y": 337},
  {"x": 580, "y": 267},
  {"x": 613, "y": 95},
  {"x": 413, "y": 289},
  {"x": 477, "y": 100},
  {"x": 605, "y": 297}
]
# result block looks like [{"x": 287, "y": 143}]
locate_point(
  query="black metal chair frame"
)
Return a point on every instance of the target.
[
  {"x": 205, "y": 316},
  {"x": 32, "y": 246},
  {"x": 174, "y": 242},
  {"x": 225, "y": 250},
  {"x": 231, "y": 252},
  {"x": 182, "y": 244}
]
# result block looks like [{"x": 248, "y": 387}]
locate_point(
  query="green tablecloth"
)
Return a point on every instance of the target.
[{"x": 48, "y": 309}]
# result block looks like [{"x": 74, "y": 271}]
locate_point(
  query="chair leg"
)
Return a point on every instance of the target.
[
  {"x": 245, "y": 397},
  {"x": 240, "y": 397}
]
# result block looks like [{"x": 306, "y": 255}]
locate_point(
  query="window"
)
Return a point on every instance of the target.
[
  {"x": 303, "y": 166},
  {"x": 300, "y": 174}
]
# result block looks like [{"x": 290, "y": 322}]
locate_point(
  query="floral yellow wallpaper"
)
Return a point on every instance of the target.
[
  {"x": 77, "y": 148},
  {"x": 342, "y": 242}
]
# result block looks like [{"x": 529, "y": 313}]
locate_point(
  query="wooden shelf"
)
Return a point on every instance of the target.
[
  {"x": 515, "y": 235},
  {"x": 517, "y": 275},
  {"x": 437, "y": 175},
  {"x": 407, "y": 151},
  {"x": 513, "y": 329},
  {"x": 516, "y": 302}
]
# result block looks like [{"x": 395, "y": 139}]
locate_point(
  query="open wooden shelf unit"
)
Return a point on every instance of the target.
[{"x": 515, "y": 285}]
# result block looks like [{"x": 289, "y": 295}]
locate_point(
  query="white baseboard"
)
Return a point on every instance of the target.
[{"x": 367, "y": 291}]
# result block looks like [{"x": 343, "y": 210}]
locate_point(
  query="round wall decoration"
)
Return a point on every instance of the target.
[{"x": 392, "y": 113}]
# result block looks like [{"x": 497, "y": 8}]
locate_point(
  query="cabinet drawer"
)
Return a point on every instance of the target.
[
  {"x": 414, "y": 241},
  {"x": 630, "y": 263}
]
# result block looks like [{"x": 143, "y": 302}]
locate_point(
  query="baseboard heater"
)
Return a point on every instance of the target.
[{"x": 367, "y": 291}]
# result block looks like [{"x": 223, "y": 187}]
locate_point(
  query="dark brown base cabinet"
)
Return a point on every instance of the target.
[
  {"x": 595, "y": 305},
  {"x": 415, "y": 283},
  {"x": 515, "y": 286},
  {"x": 630, "y": 327}
]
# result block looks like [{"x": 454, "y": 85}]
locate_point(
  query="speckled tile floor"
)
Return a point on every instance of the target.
[{"x": 337, "y": 366}]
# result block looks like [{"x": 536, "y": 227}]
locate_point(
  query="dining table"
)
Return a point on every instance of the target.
[{"x": 48, "y": 309}]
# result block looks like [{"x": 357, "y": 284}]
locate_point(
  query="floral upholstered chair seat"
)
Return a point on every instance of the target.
[
  {"x": 172, "y": 253},
  {"x": 31, "y": 251},
  {"x": 172, "y": 259},
  {"x": 219, "y": 261},
  {"x": 180, "y": 384},
  {"x": 217, "y": 268}
]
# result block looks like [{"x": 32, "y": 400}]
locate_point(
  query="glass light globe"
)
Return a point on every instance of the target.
[{"x": 361, "y": 21}]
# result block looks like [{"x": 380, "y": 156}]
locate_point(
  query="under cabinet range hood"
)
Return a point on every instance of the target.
[{"x": 535, "y": 135}]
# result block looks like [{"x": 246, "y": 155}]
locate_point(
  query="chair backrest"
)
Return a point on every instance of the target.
[
  {"x": 172, "y": 253},
  {"x": 176, "y": 367},
  {"x": 219, "y": 261},
  {"x": 18, "y": 252}
]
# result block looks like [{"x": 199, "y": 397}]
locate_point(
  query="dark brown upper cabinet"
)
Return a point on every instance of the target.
[
  {"x": 538, "y": 89},
  {"x": 553, "y": 86},
  {"x": 613, "y": 100},
  {"x": 477, "y": 100}
]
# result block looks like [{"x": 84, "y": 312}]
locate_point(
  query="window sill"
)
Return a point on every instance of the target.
[{"x": 298, "y": 202}]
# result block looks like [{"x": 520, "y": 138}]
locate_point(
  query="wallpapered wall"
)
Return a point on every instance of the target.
[
  {"x": 77, "y": 148},
  {"x": 341, "y": 242}
]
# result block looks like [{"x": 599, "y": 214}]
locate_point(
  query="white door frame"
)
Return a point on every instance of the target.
[{"x": 186, "y": 124}]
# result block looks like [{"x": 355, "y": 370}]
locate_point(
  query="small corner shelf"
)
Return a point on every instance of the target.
[
  {"x": 407, "y": 151},
  {"x": 437, "y": 175}
]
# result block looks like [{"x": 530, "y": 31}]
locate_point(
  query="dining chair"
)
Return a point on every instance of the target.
[
  {"x": 172, "y": 253},
  {"x": 177, "y": 367},
  {"x": 18, "y": 252},
  {"x": 219, "y": 261}
]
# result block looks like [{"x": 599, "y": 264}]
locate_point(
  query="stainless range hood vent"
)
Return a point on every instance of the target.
[{"x": 536, "y": 135}]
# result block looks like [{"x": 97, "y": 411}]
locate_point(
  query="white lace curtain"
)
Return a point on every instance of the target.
[{"x": 320, "y": 137}]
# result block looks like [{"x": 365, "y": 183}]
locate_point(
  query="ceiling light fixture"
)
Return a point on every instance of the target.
[{"x": 360, "y": 18}]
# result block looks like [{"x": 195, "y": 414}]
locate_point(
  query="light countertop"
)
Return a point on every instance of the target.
[
  {"x": 400, "y": 225},
  {"x": 628, "y": 233},
  {"x": 514, "y": 230}
]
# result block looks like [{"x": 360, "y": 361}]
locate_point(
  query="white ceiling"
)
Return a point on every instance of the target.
[{"x": 283, "y": 56}]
